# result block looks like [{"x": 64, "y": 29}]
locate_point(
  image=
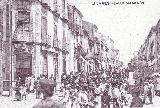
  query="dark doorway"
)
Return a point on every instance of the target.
[{"x": 23, "y": 65}]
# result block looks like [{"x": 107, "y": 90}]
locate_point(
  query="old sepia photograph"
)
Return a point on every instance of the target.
[{"x": 79, "y": 53}]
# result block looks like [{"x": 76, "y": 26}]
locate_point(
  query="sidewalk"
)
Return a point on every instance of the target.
[{"x": 8, "y": 102}]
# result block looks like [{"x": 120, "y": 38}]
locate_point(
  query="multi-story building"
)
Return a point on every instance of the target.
[
  {"x": 75, "y": 27},
  {"x": 149, "y": 52},
  {"x": 35, "y": 38},
  {"x": 2, "y": 38},
  {"x": 50, "y": 37}
]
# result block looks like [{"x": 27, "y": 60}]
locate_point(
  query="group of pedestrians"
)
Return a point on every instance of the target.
[
  {"x": 27, "y": 85},
  {"x": 94, "y": 90},
  {"x": 144, "y": 97},
  {"x": 148, "y": 92},
  {"x": 24, "y": 86}
]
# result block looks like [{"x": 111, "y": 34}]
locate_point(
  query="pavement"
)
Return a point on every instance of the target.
[{"x": 8, "y": 102}]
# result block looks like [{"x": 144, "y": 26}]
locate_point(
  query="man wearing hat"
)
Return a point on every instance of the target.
[{"x": 47, "y": 87}]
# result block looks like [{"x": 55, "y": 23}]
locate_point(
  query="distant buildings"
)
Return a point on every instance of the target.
[
  {"x": 147, "y": 60},
  {"x": 50, "y": 37}
]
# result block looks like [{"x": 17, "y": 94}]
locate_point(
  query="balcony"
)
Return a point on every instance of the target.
[
  {"x": 64, "y": 46},
  {"x": 55, "y": 11},
  {"x": 45, "y": 5},
  {"x": 64, "y": 17},
  {"x": 77, "y": 29},
  {"x": 85, "y": 32},
  {"x": 22, "y": 4},
  {"x": 56, "y": 45}
]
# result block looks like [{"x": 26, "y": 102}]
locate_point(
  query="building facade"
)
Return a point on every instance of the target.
[
  {"x": 49, "y": 38},
  {"x": 148, "y": 56},
  {"x": 34, "y": 38}
]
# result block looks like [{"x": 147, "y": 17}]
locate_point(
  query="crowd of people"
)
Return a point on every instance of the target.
[
  {"x": 90, "y": 90},
  {"x": 96, "y": 89},
  {"x": 28, "y": 84}
]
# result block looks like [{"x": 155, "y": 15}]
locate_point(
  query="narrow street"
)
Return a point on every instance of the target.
[
  {"x": 79, "y": 54},
  {"x": 7, "y": 102}
]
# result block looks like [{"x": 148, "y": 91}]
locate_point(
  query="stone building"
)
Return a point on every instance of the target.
[
  {"x": 36, "y": 37},
  {"x": 149, "y": 52},
  {"x": 49, "y": 37},
  {"x": 75, "y": 32}
]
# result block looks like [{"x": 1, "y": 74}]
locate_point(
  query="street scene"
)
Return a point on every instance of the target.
[{"x": 79, "y": 54}]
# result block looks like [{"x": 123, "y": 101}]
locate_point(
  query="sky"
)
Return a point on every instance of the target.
[{"x": 127, "y": 25}]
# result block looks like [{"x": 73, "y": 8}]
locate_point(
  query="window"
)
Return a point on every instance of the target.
[
  {"x": 22, "y": 25},
  {"x": 1, "y": 18},
  {"x": 23, "y": 16},
  {"x": 55, "y": 38},
  {"x": 23, "y": 4},
  {"x": 56, "y": 65},
  {"x": 1, "y": 28},
  {"x": 64, "y": 63},
  {"x": 151, "y": 51},
  {"x": 44, "y": 30},
  {"x": 7, "y": 21},
  {"x": 55, "y": 4},
  {"x": 152, "y": 44},
  {"x": 64, "y": 40},
  {"x": 45, "y": 65},
  {"x": 63, "y": 5},
  {"x": 158, "y": 47}
]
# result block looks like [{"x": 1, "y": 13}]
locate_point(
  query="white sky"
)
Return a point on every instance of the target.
[{"x": 127, "y": 25}]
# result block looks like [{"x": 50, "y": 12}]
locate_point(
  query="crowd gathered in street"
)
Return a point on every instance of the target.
[{"x": 91, "y": 90}]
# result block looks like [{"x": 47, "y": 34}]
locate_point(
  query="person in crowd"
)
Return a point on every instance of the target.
[
  {"x": 106, "y": 98},
  {"x": 146, "y": 93},
  {"x": 37, "y": 88},
  {"x": 51, "y": 77},
  {"x": 28, "y": 82},
  {"x": 23, "y": 91},
  {"x": 64, "y": 79},
  {"x": 115, "y": 94},
  {"x": 47, "y": 87},
  {"x": 157, "y": 86},
  {"x": 82, "y": 97},
  {"x": 18, "y": 94},
  {"x": 66, "y": 97},
  {"x": 136, "y": 102},
  {"x": 150, "y": 92},
  {"x": 123, "y": 95},
  {"x": 32, "y": 84},
  {"x": 17, "y": 81},
  {"x": 97, "y": 96}
]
